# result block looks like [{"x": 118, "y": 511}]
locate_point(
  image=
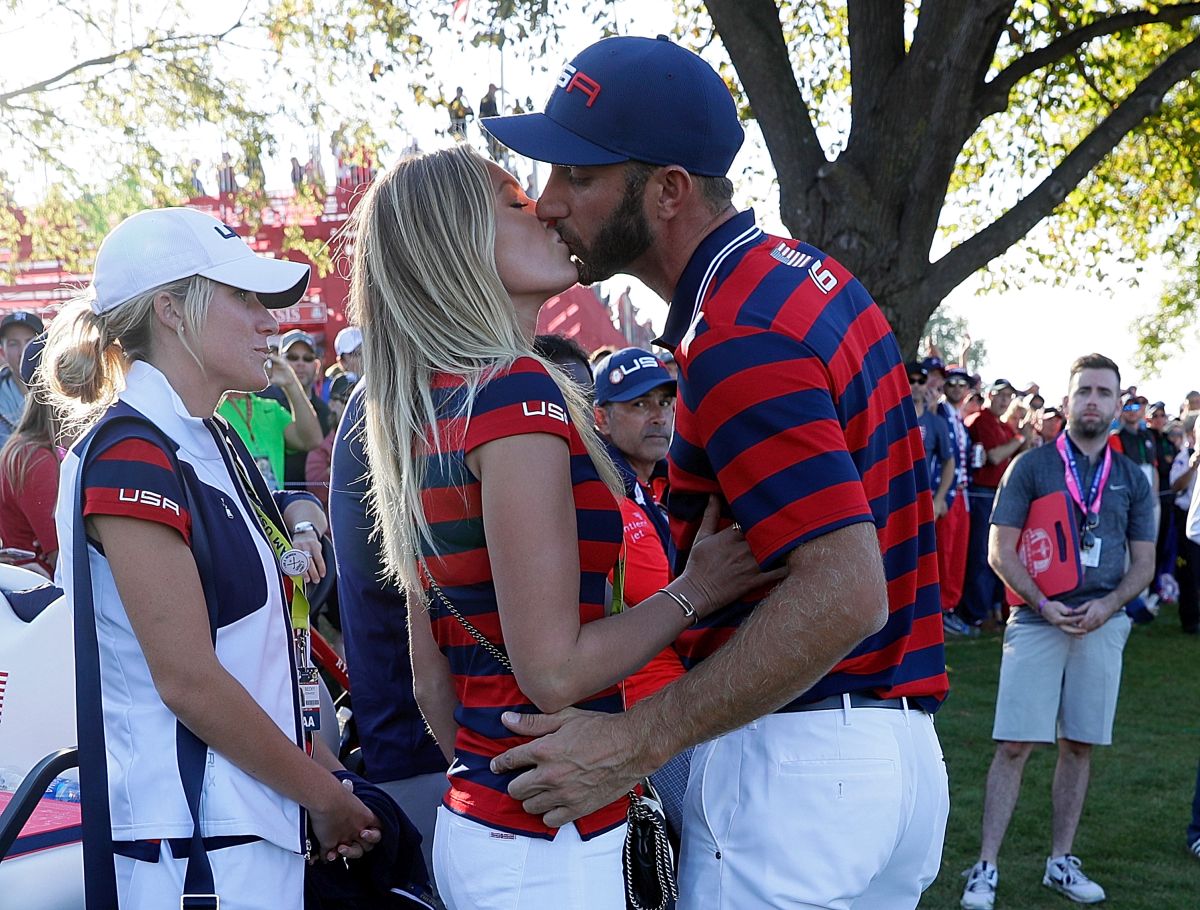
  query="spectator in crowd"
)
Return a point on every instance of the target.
[
  {"x": 1182, "y": 486},
  {"x": 601, "y": 352},
  {"x": 973, "y": 404},
  {"x": 399, "y": 754},
  {"x": 347, "y": 348},
  {"x": 1061, "y": 667},
  {"x": 456, "y": 501},
  {"x": 459, "y": 112},
  {"x": 267, "y": 427},
  {"x": 300, "y": 351},
  {"x": 17, "y": 329},
  {"x": 667, "y": 359},
  {"x": 1133, "y": 438},
  {"x": 297, "y": 174},
  {"x": 953, "y": 528},
  {"x": 1165, "y": 451},
  {"x": 1048, "y": 425},
  {"x": 567, "y": 353},
  {"x": 1191, "y": 403},
  {"x": 194, "y": 178},
  {"x": 226, "y": 179},
  {"x": 994, "y": 445},
  {"x": 29, "y": 474},
  {"x": 488, "y": 107},
  {"x": 191, "y": 685},
  {"x": 1034, "y": 403},
  {"x": 935, "y": 435},
  {"x": 318, "y": 462},
  {"x": 760, "y": 421}
]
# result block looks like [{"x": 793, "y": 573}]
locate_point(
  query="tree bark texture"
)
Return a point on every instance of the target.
[{"x": 876, "y": 207}]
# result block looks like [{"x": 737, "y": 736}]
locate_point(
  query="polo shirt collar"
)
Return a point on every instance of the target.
[
  {"x": 697, "y": 273},
  {"x": 148, "y": 390}
]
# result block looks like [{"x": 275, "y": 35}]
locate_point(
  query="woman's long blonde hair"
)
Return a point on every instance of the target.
[{"x": 426, "y": 292}]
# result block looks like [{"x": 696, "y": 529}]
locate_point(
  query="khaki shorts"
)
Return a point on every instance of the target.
[{"x": 1056, "y": 686}]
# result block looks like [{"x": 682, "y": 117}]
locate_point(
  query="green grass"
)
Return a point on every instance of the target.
[{"x": 1131, "y": 836}]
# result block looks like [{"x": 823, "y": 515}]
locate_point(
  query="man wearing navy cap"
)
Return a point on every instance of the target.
[
  {"x": 794, "y": 410},
  {"x": 17, "y": 329}
]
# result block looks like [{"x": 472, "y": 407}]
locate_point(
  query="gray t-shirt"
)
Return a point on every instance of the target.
[{"x": 1126, "y": 511}]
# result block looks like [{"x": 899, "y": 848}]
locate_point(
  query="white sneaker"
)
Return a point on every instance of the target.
[
  {"x": 1064, "y": 875},
  {"x": 980, "y": 893}
]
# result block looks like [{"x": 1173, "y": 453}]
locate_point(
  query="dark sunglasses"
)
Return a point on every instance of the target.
[
  {"x": 307, "y": 358},
  {"x": 1087, "y": 539},
  {"x": 916, "y": 380}
]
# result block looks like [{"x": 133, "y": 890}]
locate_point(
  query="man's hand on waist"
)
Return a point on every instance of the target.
[{"x": 581, "y": 762}]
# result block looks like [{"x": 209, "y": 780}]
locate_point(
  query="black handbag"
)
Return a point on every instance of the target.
[{"x": 648, "y": 861}]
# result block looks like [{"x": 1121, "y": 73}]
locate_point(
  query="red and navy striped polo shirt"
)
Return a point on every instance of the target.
[
  {"x": 523, "y": 399},
  {"x": 794, "y": 407}
]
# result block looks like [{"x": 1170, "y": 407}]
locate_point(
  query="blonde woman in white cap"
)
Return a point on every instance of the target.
[{"x": 188, "y": 683}]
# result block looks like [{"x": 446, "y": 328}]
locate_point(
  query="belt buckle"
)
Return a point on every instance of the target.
[{"x": 210, "y": 902}]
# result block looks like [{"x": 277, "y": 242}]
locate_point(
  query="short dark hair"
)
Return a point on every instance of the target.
[
  {"x": 601, "y": 352},
  {"x": 1094, "y": 362},
  {"x": 717, "y": 192},
  {"x": 556, "y": 348}
]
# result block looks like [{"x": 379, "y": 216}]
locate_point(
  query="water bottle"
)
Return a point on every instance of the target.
[{"x": 978, "y": 455}]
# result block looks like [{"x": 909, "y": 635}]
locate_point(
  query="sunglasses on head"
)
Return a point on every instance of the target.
[{"x": 307, "y": 358}]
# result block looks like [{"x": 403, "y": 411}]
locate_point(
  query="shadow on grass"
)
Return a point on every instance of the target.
[{"x": 1131, "y": 837}]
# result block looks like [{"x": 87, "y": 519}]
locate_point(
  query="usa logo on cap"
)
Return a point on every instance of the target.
[{"x": 616, "y": 377}]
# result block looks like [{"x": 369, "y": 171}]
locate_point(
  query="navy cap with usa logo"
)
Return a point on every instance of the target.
[
  {"x": 629, "y": 98},
  {"x": 30, "y": 320},
  {"x": 628, "y": 374}
]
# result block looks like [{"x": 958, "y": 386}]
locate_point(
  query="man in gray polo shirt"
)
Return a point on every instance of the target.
[{"x": 1061, "y": 666}]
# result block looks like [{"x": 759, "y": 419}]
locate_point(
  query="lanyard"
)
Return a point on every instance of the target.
[
  {"x": 1075, "y": 482},
  {"x": 298, "y": 608}
]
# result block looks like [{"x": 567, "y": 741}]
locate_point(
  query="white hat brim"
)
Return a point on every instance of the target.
[{"x": 277, "y": 282}]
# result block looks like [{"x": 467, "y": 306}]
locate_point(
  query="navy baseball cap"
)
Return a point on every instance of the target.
[
  {"x": 933, "y": 363},
  {"x": 626, "y": 98},
  {"x": 22, "y": 317},
  {"x": 629, "y": 374}
]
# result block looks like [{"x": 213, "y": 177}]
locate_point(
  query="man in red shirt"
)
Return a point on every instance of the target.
[{"x": 994, "y": 444}]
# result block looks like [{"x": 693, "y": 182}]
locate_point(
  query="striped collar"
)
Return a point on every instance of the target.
[{"x": 699, "y": 273}]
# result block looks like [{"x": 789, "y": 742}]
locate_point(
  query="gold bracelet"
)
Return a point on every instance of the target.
[{"x": 684, "y": 604}]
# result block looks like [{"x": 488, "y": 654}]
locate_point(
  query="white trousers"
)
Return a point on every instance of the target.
[
  {"x": 479, "y": 868},
  {"x": 840, "y": 809},
  {"x": 255, "y": 876}
]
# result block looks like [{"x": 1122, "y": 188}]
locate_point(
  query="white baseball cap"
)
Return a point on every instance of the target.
[
  {"x": 158, "y": 246},
  {"x": 348, "y": 340}
]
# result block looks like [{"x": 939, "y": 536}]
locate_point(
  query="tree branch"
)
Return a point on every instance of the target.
[
  {"x": 876, "y": 38},
  {"x": 994, "y": 95},
  {"x": 976, "y": 252},
  {"x": 168, "y": 42},
  {"x": 751, "y": 32}
]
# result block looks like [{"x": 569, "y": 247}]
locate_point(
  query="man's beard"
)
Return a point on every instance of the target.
[
  {"x": 622, "y": 239},
  {"x": 1098, "y": 427}
]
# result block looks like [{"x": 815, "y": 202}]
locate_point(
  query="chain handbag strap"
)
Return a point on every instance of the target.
[
  {"x": 496, "y": 651},
  {"x": 647, "y": 825}
]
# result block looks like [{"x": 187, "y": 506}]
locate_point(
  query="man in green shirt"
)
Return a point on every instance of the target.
[{"x": 266, "y": 427}]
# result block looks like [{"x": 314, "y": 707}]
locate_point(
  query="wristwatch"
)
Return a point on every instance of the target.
[{"x": 301, "y": 526}]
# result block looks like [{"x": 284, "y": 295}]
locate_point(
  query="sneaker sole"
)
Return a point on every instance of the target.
[{"x": 1055, "y": 886}]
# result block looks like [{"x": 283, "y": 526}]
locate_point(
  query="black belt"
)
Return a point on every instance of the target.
[{"x": 857, "y": 700}]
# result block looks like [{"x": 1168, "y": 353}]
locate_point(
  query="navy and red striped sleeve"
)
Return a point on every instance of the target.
[
  {"x": 133, "y": 478},
  {"x": 524, "y": 399},
  {"x": 764, "y": 414}
]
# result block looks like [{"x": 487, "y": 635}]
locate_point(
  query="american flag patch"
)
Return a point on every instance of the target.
[
  {"x": 785, "y": 254},
  {"x": 3, "y": 686}
]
